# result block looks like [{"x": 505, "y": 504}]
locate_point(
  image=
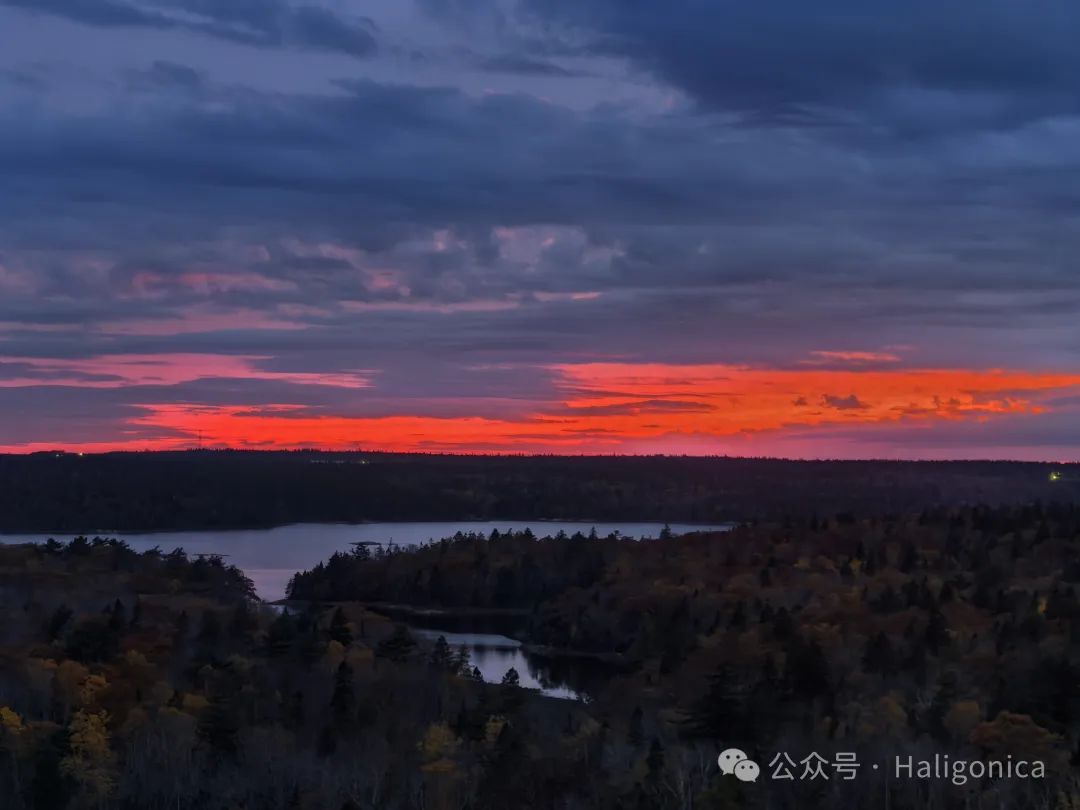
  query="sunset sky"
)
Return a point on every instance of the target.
[{"x": 839, "y": 229}]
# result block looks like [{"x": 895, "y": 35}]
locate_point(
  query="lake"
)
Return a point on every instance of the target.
[
  {"x": 271, "y": 556},
  {"x": 494, "y": 655}
]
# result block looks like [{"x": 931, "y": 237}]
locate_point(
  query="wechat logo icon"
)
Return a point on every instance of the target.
[{"x": 734, "y": 761}]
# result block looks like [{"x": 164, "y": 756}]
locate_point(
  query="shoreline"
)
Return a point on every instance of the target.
[
  {"x": 403, "y": 612},
  {"x": 121, "y": 533}
]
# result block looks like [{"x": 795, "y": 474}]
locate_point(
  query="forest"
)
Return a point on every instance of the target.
[
  {"x": 214, "y": 489},
  {"x": 151, "y": 680}
]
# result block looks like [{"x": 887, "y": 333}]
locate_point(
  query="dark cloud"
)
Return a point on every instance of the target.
[
  {"x": 766, "y": 183},
  {"x": 930, "y": 66},
  {"x": 263, "y": 23},
  {"x": 848, "y": 403},
  {"x": 320, "y": 29},
  {"x": 523, "y": 65},
  {"x": 167, "y": 76}
]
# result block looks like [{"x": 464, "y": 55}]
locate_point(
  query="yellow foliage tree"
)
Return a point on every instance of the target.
[
  {"x": 67, "y": 683},
  {"x": 962, "y": 718},
  {"x": 194, "y": 704},
  {"x": 1019, "y": 736},
  {"x": 10, "y": 722},
  {"x": 888, "y": 718},
  {"x": 11, "y": 737},
  {"x": 438, "y": 747},
  {"x": 90, "y": 689},
  {"x": 91, "y": 761}
]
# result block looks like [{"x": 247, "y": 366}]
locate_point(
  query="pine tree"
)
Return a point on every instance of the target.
[
  {"x": 943, "y": 700},
  {"x": 219, "y": 724},
  {"x": 398, "y": 647},
  {"x": 441, "y": 657},
  {"x": 181, "y": 628},
  {"x": 281, "y": 635},
  {"x": 718, "y": 714},
  {"x": 244, "y": 622},
  {"x": 117, "y": 617},
  {"x": 460, "y": 664},
  {"x": 808, "y": 671},
  {"x": 51, "y": 787},
  {"x": 879, "y": 657},
  {"x": 936, "y": 634},
  {"x": 343, "y": 701},
  {"x": 58, "y": 621},
  {"x": 292, "y": 711},
  {"x": 339, "y": 628}
]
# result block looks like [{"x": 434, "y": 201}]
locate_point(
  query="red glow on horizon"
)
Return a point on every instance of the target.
[{"x": 623, "y": 408}]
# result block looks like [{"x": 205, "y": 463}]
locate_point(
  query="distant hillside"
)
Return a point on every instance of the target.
[{"x": 217, "y": 489}]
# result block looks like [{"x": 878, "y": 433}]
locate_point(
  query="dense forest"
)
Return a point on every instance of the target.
[
  {"x": 157, "y": 681},
  {"x": 235, "y": 489},
  {"x": 951, "y": 631}
]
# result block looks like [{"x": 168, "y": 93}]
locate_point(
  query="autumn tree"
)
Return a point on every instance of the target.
[{"x": 91, "y": 762}]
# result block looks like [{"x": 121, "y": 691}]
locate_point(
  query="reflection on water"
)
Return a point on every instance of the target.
[
  {"x": 495, "y": 655},
  {"x": 271, "y": 556}
]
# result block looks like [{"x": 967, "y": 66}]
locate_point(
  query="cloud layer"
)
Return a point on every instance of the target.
[{"x": 600, "y": 226}]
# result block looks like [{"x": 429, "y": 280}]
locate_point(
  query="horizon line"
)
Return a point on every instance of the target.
[{"x": 61, "y": 452}]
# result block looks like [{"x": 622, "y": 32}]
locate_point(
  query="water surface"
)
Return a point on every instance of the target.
[
  {"x": 495, "y": 655},
  {"x": 271, "y": 556}
]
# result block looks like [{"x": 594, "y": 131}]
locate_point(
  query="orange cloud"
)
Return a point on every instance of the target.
[
  {"x": 620, "y": 407},
  {"x": 734, "y": 400}
]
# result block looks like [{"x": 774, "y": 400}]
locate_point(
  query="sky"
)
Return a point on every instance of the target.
[{"x": 844, "y": 229}]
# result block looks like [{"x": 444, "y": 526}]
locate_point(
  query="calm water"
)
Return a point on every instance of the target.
[
  {"x": 494, "y": 655},
  {"x": 271, "y": 556}
]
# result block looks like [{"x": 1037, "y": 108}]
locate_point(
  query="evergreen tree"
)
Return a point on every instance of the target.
[
  {"x": 441, "y": 657},
  {"x": 181, "y": 629},
  {"x": 339, "y": 628},
  {"x": 936, "y": 635},
  {"x": 219, "y": 724},
  {"x": 720, "y": 713},
  {"x": 879, "y": 657},
  {"x": 460, "y": 664},
  {"x": 50, "y": 788},
  {"x": 117, "y": 617},
  {"x": 942, "y": 702},
  {"x": 398, "y": 647},
  {"x": 92, "y": 640},
  {"x": 808, "y": 671},
  {"x": 58, "y": 621},
  {"x": 244, "y": 622},
  {"x": 292, "y": 711},
  {"x": 343, "y": 701},
  {"x": 281, "y": 635}
]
